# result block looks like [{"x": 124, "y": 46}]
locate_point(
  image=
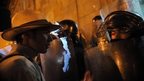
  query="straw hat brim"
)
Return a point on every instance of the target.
[{"x": 10, "y": 34}]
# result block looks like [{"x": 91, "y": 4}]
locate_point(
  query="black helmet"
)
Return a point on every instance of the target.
[
  {"x": 124, "y": 22},
  {"x": 72, "y": 27}
]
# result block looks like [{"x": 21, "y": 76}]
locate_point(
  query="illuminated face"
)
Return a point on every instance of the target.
[{"x": 96, "y": 24}]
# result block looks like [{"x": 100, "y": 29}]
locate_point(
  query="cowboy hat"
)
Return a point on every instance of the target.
[{"x": 27, "y": 20}]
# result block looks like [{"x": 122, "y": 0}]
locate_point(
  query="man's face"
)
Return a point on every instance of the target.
[
  {"x": 40, "y": 40},
  {"x": 96, "y": 24}
]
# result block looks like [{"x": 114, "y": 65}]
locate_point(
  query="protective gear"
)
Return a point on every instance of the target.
[
  {"x": 122, "y": 25},
  {"x": 121, "y": 38},
  {"x": 101, "y": 65}
]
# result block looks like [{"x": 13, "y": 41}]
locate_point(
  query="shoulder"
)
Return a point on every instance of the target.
[
  {"x": 14, "y": 63},
  {"x": 18, "y": 67},
  {"x": 13, "y": 59}
]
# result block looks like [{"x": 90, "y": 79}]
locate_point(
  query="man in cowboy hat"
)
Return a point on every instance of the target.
[{"x": 32, "y": 35}]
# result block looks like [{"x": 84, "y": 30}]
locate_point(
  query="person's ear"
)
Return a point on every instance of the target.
[{"x": 87, "y": 76}]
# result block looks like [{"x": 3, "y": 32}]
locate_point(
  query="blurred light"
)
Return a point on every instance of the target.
[
  {"x": 102, "y": 44},
  {"x": 56, "y": 23},
  {"x": 5, "y": 50},
  {"x": 55, "y": 32},
  {"x": 66, "y": 54}
]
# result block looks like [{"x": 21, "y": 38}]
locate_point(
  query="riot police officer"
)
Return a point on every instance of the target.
[{"x": 118, "y": 55}]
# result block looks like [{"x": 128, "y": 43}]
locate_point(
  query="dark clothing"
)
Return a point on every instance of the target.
[
  {"x": 79, "y": 54},
  {"x": 93, "y": 42},
  {"x": 19, "y": 68}
]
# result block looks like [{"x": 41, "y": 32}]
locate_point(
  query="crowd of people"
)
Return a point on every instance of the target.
[{"x": 43, "y": 51}]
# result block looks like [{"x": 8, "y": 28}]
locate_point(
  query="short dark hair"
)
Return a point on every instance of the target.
[{"x": 98, "y": 17}]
